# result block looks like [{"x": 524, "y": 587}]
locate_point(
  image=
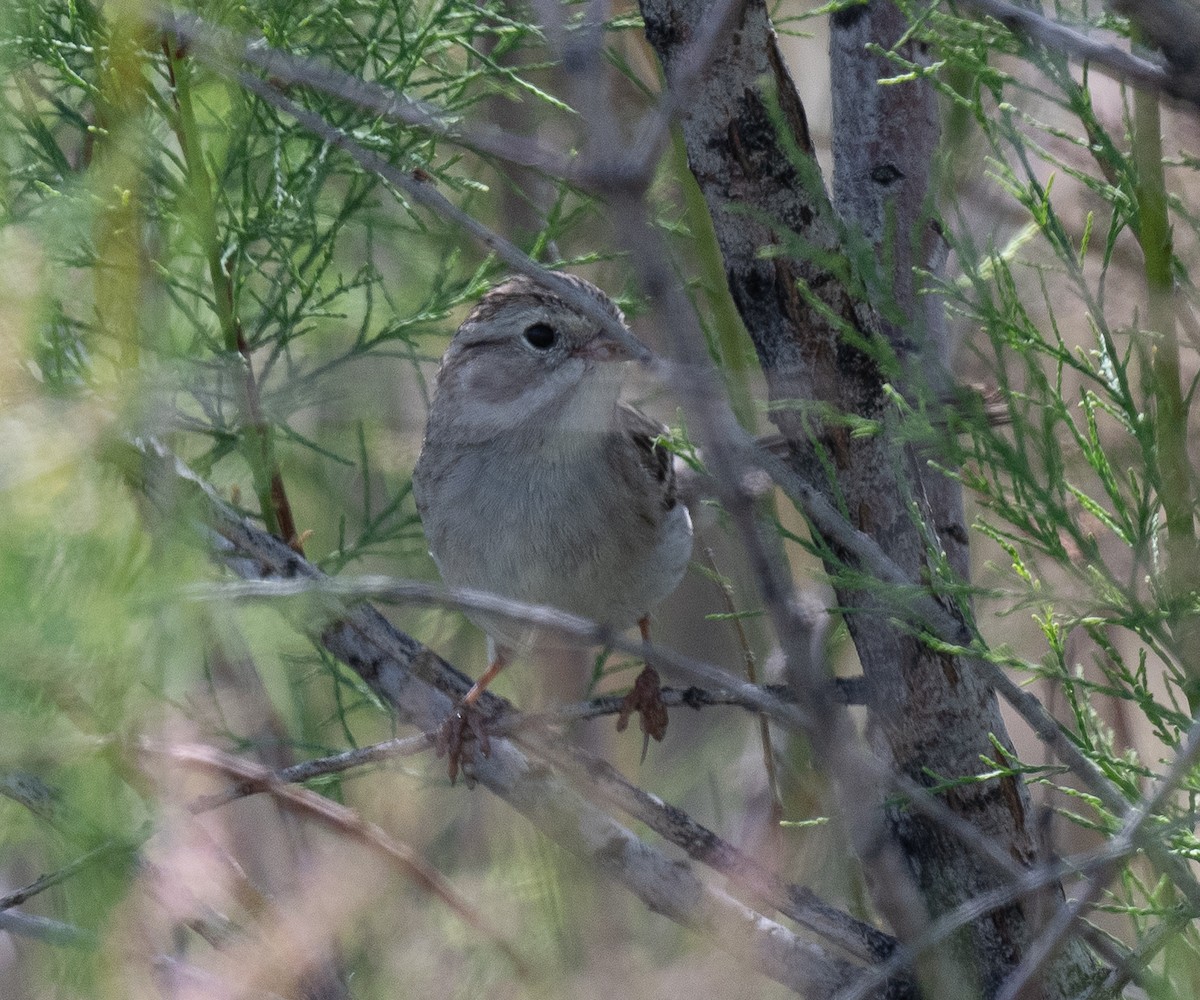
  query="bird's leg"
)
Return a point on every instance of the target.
[
  {"x": 464, "y": 720},
  {"x": 499, "y": 662},
  {"x": 645, "y": 698}
]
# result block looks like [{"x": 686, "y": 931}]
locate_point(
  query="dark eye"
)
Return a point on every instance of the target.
[{"x": 540, "y": 336}]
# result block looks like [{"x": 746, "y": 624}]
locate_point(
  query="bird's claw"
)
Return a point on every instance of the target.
[
  {"x": 463, "y": 724},
  {"x": 645, "y": 698}
]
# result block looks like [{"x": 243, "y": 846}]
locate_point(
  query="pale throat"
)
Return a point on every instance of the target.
[{"x": 566, "y": 406}]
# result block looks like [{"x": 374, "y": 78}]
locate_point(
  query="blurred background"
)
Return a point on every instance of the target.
[{"x": 164, "y": 233}]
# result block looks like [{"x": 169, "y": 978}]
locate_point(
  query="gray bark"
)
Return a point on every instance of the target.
[{"x": 749, "y": 148}]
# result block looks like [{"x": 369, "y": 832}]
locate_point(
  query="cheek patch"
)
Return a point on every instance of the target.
[{"x": 496, "y": 382}]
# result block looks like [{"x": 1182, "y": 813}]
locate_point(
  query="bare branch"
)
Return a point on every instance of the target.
[
  {"x": 343, "y": 820},
  {"x": 420, "y": 687},
  {"x": 1107, "y": 56}
]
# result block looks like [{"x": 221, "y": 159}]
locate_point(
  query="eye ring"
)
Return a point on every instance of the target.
[{"x": 540, "y": 336}]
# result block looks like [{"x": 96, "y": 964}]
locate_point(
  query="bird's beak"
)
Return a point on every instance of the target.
[{"x": 602, "y": 347}]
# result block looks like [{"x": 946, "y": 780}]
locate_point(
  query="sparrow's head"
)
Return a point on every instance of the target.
[{"x": 525, "y": 356}]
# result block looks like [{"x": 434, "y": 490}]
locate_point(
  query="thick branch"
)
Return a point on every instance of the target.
[{"x": 750, "y": 151}]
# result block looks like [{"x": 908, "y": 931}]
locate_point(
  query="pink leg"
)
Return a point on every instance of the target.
[
  {"x": 489, "y": 675},
  {"x": 450, "y": 739}
]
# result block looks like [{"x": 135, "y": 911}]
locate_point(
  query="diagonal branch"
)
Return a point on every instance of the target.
[
  {"x": 425, "y": 194},
  {"x": 259, "y": 778},
  {"x": 421, "y": 687},
  {"x": 226, "y": 52},
  {"x": 1107, "y": 56}
]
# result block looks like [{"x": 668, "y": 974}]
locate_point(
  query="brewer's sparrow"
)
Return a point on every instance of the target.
[{"x": 537, "y": 484}]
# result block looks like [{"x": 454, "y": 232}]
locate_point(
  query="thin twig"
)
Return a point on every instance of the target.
[
  {"x": 511, "y": 723},
  {"x": 341, "y": 819},
  {"x": 258, "y": 444},
  {"x": 334, "y": 592},
  {"x": 45, "y": 882},
  {"x": 1135, "y": 963},
  {"x": 425, "y": 194},
  {"x": 764, "y": 724},
  {"x": 1057, "y": 37}
]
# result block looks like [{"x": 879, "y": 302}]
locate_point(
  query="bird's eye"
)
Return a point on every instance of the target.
[{"x": 540, "y": 337}]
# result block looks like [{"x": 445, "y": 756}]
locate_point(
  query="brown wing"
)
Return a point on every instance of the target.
[{"x": 648, "y": 459}]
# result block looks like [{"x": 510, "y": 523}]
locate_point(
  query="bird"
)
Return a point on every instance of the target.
[{"x": 535, "y": 482}]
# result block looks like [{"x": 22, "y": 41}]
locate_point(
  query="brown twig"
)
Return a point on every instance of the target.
[
  {"x": 259, "y": 445},
  {"x": 337, "y": 817}
]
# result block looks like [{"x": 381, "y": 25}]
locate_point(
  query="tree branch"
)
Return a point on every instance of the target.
[
  {"x": 1109, "y": 57},
  {"x": 421, "y": 688},
  {"x": 789, "y": 262}
]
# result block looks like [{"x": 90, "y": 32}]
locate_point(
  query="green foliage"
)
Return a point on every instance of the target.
[
  {"x": 180, "y": 258},
  {"x": 1083, "y": 488}
]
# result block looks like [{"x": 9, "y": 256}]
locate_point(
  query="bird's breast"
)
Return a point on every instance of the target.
[{"x": 557, "y": 533}]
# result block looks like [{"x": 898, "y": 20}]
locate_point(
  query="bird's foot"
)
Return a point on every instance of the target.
[
  {"x": 645, "y": 698},
  {"x": 464, "y": 723}
]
